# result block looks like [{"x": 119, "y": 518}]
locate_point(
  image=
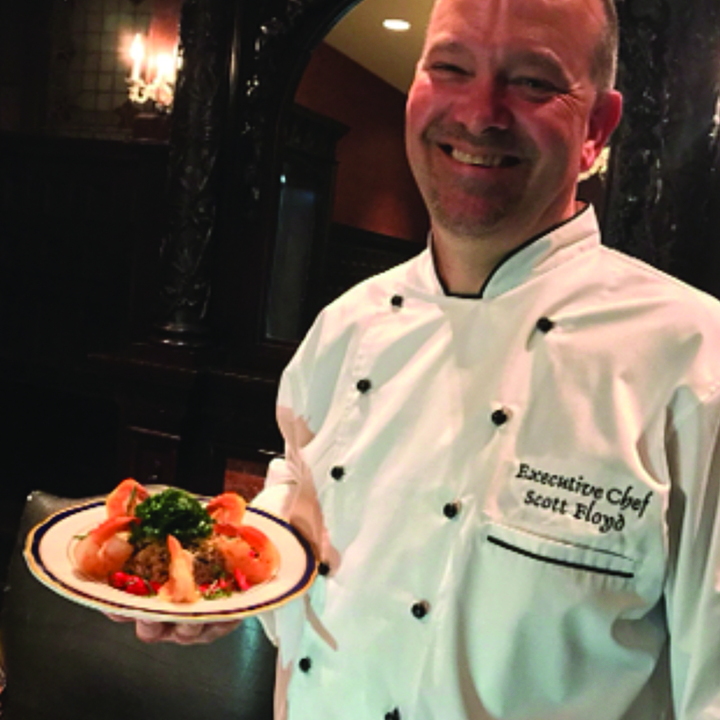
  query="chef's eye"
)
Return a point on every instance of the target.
[
  {"x": 535, "y": 88},
  {"x": 446, "y": 68}
]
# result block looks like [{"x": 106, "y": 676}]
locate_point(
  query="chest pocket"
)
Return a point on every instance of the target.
[
  {"x": 555, "y": 553},
  {"x": 550, "y": 618}
]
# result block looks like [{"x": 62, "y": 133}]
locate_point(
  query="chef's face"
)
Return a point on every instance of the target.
[{"x": 503, "y": 114}]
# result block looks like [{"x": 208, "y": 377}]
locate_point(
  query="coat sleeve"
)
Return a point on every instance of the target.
[
  {"x": 693, "y": 581},
  {"x": 289, "y": 488},
  {"x": 305, "y": 396},
  {"x": 282, "y": 482}
]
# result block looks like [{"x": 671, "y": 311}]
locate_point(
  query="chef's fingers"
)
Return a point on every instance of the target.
[
  {"x": 200, "y": 634},
  {"x": 151, "y": 632},
  {"x": 119, "y": 618},
  {"x": 183, "y": 633}
]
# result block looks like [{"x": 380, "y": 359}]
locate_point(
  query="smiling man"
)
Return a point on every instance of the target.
[
  {"x": 505, "y": 112},
  {"x": 505, "y": 450}
]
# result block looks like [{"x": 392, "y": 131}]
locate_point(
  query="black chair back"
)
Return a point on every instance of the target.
[{"x": 66, "y": 662}]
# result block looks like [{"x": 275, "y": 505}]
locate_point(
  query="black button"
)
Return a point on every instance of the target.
[
  {"x": 451, "y": 510},
  {"x": 397, "y": 301},
  {"x": 499, "y": 417},
  {"x": 337, "y": 473},
  {"x": 305, "y": 664},
  {"x": 393, "y": 715},
  {"x": 323, "y": 568},
  {"x": 363, "y": 385},
  {"x": 544, "y": 325},
  {"x": 420, "y": 609}
]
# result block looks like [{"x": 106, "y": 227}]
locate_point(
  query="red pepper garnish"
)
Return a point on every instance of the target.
[
  {"x": 222, "y": 587},
  {"x": 133, "y": 584},
  {"x": 119, "y": 579},
  {"x": 137, "y": 586},
  {"x": 241, "y": 580}
]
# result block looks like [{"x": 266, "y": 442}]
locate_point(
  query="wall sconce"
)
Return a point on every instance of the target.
[{"x": 156, "y": 94}]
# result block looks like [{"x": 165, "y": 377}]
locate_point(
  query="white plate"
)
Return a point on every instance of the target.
[{"x": 48, "y": 552}]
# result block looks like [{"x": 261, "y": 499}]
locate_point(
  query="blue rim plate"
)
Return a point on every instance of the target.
[{"x": 48, "y": 553}]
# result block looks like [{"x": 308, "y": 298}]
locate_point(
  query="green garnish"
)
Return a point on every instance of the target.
[
  {"x": 171, "y": 512},
  {"x": 216, "y": 593}
]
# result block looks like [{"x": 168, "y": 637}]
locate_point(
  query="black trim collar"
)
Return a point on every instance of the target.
[{"x": 512, "y": 253}]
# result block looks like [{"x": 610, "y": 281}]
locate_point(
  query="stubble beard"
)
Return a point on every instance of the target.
[
  {"x": 469, "y": 207},
  {"x": 484, "y": 214}
]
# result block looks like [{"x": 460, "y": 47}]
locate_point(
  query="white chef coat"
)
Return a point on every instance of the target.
[{"x": 515, "y": 496}]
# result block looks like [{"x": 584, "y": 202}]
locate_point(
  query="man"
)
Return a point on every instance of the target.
[{"x": 505, "y": 450}]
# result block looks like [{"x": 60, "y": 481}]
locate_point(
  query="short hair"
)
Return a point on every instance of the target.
[
  {"x": 604, "y": 61},
  {"x": 603, "y": 64}
]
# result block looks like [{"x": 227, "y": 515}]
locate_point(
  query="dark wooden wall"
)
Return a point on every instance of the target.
[{"x": 79, "y": 229}]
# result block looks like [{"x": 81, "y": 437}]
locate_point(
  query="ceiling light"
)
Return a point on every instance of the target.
[{"x": 396, "y": 25}]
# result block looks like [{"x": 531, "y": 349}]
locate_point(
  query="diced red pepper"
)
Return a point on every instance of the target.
[
  {"x": 241, "y": 580},
  {"x": 138, "y": 586},
  {"x": 119, "y": 579},
  {"x": 133, "y": 584},
  {"x": 222, "y": 587}
]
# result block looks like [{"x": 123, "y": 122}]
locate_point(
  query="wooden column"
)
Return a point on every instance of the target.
[{"x": 198, "y": 123}]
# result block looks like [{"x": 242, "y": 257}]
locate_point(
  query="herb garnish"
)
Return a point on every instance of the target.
[{"x": 171, "y": 512}]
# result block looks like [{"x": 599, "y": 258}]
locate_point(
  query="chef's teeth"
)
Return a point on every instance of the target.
[{"x": 484, "y": 160}]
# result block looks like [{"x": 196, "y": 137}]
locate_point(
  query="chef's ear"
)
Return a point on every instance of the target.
[{"x": 604, "y": 118}]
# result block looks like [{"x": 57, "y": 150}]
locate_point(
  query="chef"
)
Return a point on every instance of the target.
[{"x": 504, "y": 450}]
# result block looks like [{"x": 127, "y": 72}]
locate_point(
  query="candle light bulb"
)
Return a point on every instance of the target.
[{"x": 137, "y": 54}]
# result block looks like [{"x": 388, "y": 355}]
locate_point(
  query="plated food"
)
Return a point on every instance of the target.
[
  {"x": 50, "y": 549},
  {"x": 172, "y": 546}
]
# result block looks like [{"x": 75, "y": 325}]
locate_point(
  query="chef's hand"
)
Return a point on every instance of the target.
[{"x": 179, "y": 633}]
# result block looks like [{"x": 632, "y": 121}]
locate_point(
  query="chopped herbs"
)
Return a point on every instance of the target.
[
  {"x": 171, "y": 512},
  {"x": 222, "y": 587}
]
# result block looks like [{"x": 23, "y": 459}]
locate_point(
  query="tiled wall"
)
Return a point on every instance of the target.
[{"x": 90, "y": 66}]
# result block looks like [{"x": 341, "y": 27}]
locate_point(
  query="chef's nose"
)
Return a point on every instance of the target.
[{"x": 482, "y": 104}]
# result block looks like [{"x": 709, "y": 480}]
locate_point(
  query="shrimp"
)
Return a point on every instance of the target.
[
  {"x": 103, "y": 550},
  {"x": 227, "y": 508},
  {"x": 180, "y": 587},
  {"x": 125, "y": 497},
  {"x": 247, "y": 550}
]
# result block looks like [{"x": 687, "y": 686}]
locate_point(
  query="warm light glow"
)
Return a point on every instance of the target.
[
  {"x": 396, "y": 25},
  {"x": 152, "y": 77},
  {"x": 137, "y": 49},
  {"x": 600, "y": 166},
  {"x": 165, "y": 67},
  {"x": 137, "y": 54}
]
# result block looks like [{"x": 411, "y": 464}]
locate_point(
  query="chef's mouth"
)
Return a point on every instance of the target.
[{"x": 480, "y": 158}]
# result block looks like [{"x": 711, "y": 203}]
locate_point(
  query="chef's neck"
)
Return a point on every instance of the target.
[{"x": 464, "y": 263}]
